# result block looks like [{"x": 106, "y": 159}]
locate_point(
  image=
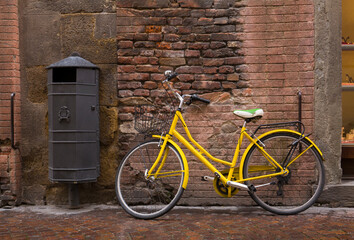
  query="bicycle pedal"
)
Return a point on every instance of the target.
[{"x": 207, "y": 178}]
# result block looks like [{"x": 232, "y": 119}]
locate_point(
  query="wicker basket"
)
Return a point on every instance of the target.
[{"x": 151, "y": 119}]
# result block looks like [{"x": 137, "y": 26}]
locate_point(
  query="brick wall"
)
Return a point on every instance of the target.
[
  {"x": 279, "y": 54},
  {"x": 238, "y": 54},
  {"x": 9, "y": 64},
  {"x": 10, "y": 164}
]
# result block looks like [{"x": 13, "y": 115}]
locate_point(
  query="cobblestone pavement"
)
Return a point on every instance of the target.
[{"x": 110, "y": 222}]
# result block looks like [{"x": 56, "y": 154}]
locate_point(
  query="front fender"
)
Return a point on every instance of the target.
[{"x": 184, "y": 159}]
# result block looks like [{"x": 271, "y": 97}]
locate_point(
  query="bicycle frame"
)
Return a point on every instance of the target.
[{"x": 199, "y": 154}]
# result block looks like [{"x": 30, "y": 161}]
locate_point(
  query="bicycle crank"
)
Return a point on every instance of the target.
[{"x": 221, "y": 189}]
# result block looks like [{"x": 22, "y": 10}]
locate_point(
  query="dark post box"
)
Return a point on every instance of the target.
[{"x": 73, "y": 119}]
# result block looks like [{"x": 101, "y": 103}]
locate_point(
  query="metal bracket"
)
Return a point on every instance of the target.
[{"x": 13, "y": 121}]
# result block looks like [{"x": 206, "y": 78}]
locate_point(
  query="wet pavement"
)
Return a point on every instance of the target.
[{"x": 111, "y": 222}]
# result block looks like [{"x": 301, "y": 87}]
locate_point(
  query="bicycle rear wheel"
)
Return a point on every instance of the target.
[
  {"x": 151, "y": 197},
  {"x": 294, "y": 192}
]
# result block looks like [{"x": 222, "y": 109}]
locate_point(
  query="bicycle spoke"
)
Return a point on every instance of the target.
[
  {"x": 154, "y": 196},
  {"x": 294, "y": 190}
]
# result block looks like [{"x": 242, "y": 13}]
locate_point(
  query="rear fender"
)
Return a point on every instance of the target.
[{"x": 271, "y": 132}]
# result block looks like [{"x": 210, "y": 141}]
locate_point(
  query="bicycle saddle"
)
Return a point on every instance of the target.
[{"x": 248, "y": 114}]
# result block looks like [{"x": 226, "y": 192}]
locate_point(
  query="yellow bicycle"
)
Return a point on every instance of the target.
[{"x": 282, "y": 169}]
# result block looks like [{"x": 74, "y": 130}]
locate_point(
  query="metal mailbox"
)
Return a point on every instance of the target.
[{"x": 73, "y": 120}]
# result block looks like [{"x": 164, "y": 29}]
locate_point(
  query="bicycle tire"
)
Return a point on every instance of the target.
[
  {"x": 291, "y": 194},
  {"x": 149, "y": 198}
]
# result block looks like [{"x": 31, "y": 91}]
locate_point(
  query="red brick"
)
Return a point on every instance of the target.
[
  {"x": 150, "y": 85},
  {"x": 147, "y": 68},
  {"x": 144, "y": 44},
  {"x": 158, "y": 77},
  {"x": 254, "y": 59},
  {"x": 125, "y": 60},
  {"x": 153, "y": 61},
  {"x": 133, "y": 76},
  {"x": 141, "y": 92},
  {"x": 226, "y": 69},
  {"x": 140, "y": 60},
  {"x": 125, "y": 44},
  {"x": 126, "y": 68},
  {"x": 190, "y": 69},
  {"x": 171, "y": 37},
  {"x": 155, "y": 37},
  {"x": 163, "y": 45},
  {"x": 125, "y": 93},
  {"x": 275, "y": 67},
  {"x": 128, "y": 85},
  {"x": 186, "y": 77},
  {"x": 198, "y": 45},
  {"x": 234, "y": 60},
  {"x": 306, "y": 9},
  {"x": 210, "y": 70}
]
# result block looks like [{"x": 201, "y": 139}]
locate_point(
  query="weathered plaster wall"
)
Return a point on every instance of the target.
[
  {"x": 328, "y": 75},
  {"x": 51, "y": 31}
]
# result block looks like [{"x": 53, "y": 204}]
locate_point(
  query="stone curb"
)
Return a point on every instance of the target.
[{"x": 65, "y": 210}]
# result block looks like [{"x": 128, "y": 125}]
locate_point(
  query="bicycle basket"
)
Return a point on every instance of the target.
[{"x": 151, "y": 119}]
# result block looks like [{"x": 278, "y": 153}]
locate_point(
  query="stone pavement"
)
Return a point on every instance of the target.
[{"x": 110, "y": 222}]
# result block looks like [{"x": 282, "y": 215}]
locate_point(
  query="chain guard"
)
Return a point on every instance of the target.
[{"x": 223, "y": 190}]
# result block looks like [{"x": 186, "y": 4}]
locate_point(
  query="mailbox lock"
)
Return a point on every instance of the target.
[
  {"x": 64, "y": 114},
  {"x": 93, "y": 108}
]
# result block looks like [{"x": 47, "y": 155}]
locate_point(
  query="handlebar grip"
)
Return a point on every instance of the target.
[
  {"x": 173, "y": 75},
  {"x": 195, "y": 97}
]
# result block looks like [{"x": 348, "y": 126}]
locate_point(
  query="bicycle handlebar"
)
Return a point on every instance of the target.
[{"x": 195, "y": 97}]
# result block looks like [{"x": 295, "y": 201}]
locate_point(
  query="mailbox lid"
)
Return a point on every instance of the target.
[{"x": 73, "y": 61}]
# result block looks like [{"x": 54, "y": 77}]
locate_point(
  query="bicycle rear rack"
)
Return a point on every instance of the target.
[{"x": 299, "y": 125}]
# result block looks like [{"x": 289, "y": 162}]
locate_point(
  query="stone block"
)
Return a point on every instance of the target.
[
  {"x": 109, "y": 164},
  {"x": 108, "y": 124},
  {"x": 78, "y": 35},
  {"x": 34, "y": 194},
  {"x": 106, "y": 26},
  {"x": 108, "y": 85},
  {"x": 57, "y": 194},
  {"x": 338, "y": 195},
  {"x": 127, "y": 127},
  {"x": 42, "y": 43},
  {"x": 67, "y": 6},
  {"x": 36, "y": 84}
]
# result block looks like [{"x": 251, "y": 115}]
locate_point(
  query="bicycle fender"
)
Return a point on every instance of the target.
[
  {"x": 288, "y": 130},
  {"x": 270, "y": 132},
  {"x": 184, "y": 159}
]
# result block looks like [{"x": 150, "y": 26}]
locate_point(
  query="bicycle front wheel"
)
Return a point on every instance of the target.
[
  {"x": 291, "y": 193},
  {"x": 149, "y": 197}
]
